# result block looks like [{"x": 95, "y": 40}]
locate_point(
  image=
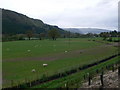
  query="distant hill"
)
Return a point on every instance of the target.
[
  {"x": 86, "y": 30},
  {"x": 15, "y": 23}
]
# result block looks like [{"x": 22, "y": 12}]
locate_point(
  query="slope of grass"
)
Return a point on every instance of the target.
[
  {"x": 20, "y": 70},
  {"x": 75, "y": 80}
]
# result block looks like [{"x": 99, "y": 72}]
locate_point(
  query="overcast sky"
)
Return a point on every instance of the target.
[{"x": 68, "y": 13}]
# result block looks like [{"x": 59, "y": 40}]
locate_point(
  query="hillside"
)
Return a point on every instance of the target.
[
  {"x": 86, "y": 30},
  {"x": 14, "y": 22}
]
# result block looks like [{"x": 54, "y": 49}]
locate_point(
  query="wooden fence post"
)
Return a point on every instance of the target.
[
  {"x": 30, "y": 83},
  {"x": 119, "y": 71},
  {"x": 119, "y": 76},
  {"x": 84, "y": 77},
  {"x": 89, "y": 79},
  {"x": 107, "y": 67},
  {"x": 67, "y": 86},
  {"x": 18, "y": 84},
  {"x": 11, "y": 83},
  {"x": 113, "y": 68},
  {"x": 97, "y": 71},
  {"x": 101, "y": 78},
  {"x": 25, "y": 80}
]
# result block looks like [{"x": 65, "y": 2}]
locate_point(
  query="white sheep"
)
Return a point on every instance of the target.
[
  {"x": 28, "y": 50},
  {"x": 33, "y": 70},
  {"x": 44, "y": 65},
  {"x": 66, "y": 51}
]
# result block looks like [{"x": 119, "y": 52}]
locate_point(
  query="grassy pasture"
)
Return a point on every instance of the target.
[
  {"x": 17, "y": 49},
  {"x": 19, "y": 70},
  {"x": 75, "y": 80}
]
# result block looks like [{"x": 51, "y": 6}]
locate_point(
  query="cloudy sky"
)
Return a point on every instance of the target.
[{"x": 68, "y": 13}]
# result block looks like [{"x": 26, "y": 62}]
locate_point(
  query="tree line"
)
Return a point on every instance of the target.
[
  {"x": 54, "y": 34},
  {"x": 109, "y": 35},
  {"x": 30, "y": 34}
]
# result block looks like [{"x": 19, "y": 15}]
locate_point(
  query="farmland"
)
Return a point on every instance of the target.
[
  {"x": 20, "y": 57},
  {"x": 75, "y": 80}
]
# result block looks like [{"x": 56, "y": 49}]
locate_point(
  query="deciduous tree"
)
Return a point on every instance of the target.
[{"x": 53, "y": 34}]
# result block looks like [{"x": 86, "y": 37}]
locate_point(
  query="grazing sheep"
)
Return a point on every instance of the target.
[
  {"x": 44, "y": 65},
  {"x": 28, "y": 50},
  {"x": 66, "y": 51},
  {"x": 33, "y": 70}
]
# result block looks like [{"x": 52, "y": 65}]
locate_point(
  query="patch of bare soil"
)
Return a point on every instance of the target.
[{"x": 110, "y": 80}]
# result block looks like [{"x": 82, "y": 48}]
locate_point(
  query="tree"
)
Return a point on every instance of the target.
[
  {"x": 20, "y": 36},
  {"x": 89, "y": 34},
  {"x": 41, "y": 36},
  {"x": 77, "y": 35},
  {"x": 29, "y": 34},
  {"x": 105, "y": 35},
  {"x": 53, "y": 33},
  {"x": 114, "y": 33}
]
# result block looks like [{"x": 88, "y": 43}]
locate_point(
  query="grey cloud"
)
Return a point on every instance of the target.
[
  {"x": 103, "y": 15},
  {"x": 70, "y": 13}
]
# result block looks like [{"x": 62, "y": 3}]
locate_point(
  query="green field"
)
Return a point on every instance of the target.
[
  {"x": 20, "y": 57},
  {"x": 39, "y": 48},
  {"x": 75, "y": 80}
]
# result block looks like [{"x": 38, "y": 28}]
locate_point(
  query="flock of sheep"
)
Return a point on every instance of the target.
[{"x": 44, "y": 65}]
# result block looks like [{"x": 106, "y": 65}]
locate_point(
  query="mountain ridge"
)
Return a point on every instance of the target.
[
  {"x": 17, "y": 23},
  {"x": 86, "y": 30}
]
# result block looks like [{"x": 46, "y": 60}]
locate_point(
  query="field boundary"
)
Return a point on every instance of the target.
[{"x": 61, "y": 75}]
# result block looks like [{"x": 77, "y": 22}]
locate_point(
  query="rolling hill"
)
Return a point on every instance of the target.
[{"x": 16, "y": 23}]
